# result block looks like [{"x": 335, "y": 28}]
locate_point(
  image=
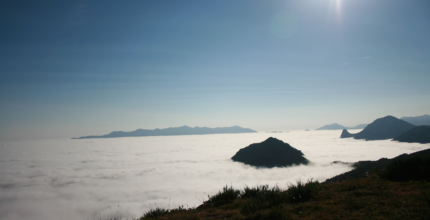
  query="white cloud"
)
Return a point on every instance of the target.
[{"x": 123, "y": 177}]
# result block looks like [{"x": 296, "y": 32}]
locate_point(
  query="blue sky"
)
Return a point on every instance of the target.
[{"x": 75, "y": 68}]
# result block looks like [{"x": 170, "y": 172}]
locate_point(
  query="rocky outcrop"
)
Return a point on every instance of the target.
[
  {"x": 346, "y": 134},
  {"x": 270, "y": 153}
]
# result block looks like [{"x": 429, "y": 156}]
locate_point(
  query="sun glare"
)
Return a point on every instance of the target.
[
  {"x": 338, "y": 10},
  {"x": 338, "y": 5}
]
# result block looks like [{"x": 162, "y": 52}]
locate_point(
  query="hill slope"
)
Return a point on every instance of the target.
[
  {"x": 419, "y": 134},
  {"x": 363, "y": 168},
  {"x": 368, "y": 195}
]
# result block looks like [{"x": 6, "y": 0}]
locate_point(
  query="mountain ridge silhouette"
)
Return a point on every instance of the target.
[
  {"x": 183, "y": 130},
  {"x": 388, "y": 127}
]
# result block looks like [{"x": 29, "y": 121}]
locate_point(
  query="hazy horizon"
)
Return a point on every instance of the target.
[
  {"x": 95, "y": 178},
  {"x": 268, "y": 130},
  {"x": 71, "y": 69}
]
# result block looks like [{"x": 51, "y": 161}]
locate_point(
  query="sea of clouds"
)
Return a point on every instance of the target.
[{"x": 124, "y": 177}]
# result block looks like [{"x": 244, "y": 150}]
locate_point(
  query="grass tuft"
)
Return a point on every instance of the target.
[
  {"x": 227, "y": 195},
  {"x": 263, "y": 194},
  {"x": 302, "y": 192}
]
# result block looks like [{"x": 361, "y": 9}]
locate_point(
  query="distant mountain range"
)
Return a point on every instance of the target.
[
  {"x": 418, "y": 120},
  {"x": 336, "y": 126},
  {"x": 388, "y": 127},
  {"x": 184, "y": 130}
]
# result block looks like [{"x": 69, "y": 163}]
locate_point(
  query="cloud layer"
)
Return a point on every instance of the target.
[{"x": 124, "y": 177}]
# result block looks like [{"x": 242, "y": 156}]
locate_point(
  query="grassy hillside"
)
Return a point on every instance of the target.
[
  {"x": 389, "y": 189},
  {"x": 365, "y": 198}
]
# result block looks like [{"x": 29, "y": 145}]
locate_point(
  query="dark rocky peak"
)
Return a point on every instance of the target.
[
  {"x": 346, "y": 134},
  {"x": 270, "y": 153},
  {"x": 273, "y": 141},
  {"x": 387, "y": 127}
]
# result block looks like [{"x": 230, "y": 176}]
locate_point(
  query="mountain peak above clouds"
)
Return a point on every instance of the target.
[{"x": 387, "y": 127}]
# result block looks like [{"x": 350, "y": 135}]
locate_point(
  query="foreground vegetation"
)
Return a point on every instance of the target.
[
  {"x": 366, "y": 198},
  {"x": 399, "y": 190}
]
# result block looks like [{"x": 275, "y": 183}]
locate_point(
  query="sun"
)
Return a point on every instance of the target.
[
  {"x": 338, "y": 6},
  {"x": 338, "y": 10}
]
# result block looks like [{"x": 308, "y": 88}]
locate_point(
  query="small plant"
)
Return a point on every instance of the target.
[
  {"x": 253, "y": 192},
  {"x": 155, "y": 213},
  {"x": 227, "y": 195},
  {"x": 302, "y": 192}
]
